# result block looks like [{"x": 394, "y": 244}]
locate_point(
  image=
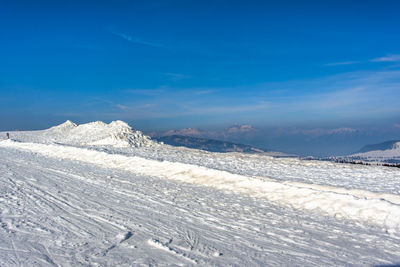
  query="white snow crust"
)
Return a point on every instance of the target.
[{"x": 104, "y": 194}]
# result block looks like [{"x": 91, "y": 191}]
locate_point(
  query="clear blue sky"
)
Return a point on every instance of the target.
[{"x": 173, "y": 64}]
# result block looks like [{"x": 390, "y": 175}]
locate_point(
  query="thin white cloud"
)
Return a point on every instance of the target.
[
  {"x": 226, "y": 109},
  {"x": 123, "y": 107},
  {"x": 204, "y": 92},
  {"x": 349, "y": 96},
  {"x": 164, "y": 89},
  {"x": 136, "y": 40},
  {"x": 342, "y": 63},
  {"x": 390, "y": 58},
  {"x": 177, "y": 76},
  {"x": 337, "y": 99},
  {"x": 148, "y": 92}
]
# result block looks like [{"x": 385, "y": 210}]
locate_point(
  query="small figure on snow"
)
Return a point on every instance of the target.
[{"x": 8, "y": 136}]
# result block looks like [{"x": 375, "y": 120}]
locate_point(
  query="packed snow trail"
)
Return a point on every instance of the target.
[
  {"x": 60, "y": 212},
  {"x": 368, "y": 207}
]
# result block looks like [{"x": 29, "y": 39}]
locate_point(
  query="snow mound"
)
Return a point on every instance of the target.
[{"x": 98, "y": 133}]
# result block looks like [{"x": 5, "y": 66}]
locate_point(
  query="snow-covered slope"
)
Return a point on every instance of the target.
[
  {"x": 380, "y": 146},
  {"x": 374, "y": 208},
  {"x": 115, "y": 134},
  {"x": 393, "y": 152},
  {"x": 67, "y": 197},
  {"x": 387, "y": 152}
]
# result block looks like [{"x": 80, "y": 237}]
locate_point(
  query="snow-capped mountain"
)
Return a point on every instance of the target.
[{"x": 240, "y": 129}]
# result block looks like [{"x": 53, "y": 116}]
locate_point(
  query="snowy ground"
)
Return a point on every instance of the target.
[{"x": 159, "y": 205}]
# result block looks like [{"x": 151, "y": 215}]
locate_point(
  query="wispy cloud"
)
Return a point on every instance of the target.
[
  {"x": 389, "y": 58},
  {"x": 342, "y": 63},
  {"x": 227, "y": 109},
  {"x": 177, "y": 76},
  {"x": 135, "y": 40},
  {"x": 355, "y": 96},
  {"x": 334, "y": 100},
  {"x": 148, "y": 92},
  {"x": 123, "y": 107},
  {"x": 204, "y": 92},
  {"x": 171, "y": 91}
]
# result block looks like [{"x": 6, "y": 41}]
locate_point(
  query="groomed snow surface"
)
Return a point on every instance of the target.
[{"x": 104, "y": 194}]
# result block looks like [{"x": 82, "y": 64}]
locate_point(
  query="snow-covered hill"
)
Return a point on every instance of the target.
[
  {"x": 388, "y": 145},
  {"x": 386, "y": 152},
  {"x": 105, "y": 195},
  {"x": 115, "y": 134}
]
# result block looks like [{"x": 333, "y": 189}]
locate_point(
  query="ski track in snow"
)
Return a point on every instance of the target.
[
  {"x": 63, "y": 205},
  {"x": 370, "y": 207}
]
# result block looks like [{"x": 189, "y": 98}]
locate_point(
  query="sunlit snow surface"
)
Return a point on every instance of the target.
[{"x": 79, "y": 204}]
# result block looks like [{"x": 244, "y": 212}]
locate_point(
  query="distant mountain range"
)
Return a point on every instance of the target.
[
  {"x": 214, "y": 145},
  {"x": 236, "y": 130}
]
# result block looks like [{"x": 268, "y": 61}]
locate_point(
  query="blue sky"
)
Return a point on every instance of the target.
[{"x": 173, "y": 64}]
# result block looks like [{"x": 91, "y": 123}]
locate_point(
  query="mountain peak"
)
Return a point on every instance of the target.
[{"x": 238, "y": 128}]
